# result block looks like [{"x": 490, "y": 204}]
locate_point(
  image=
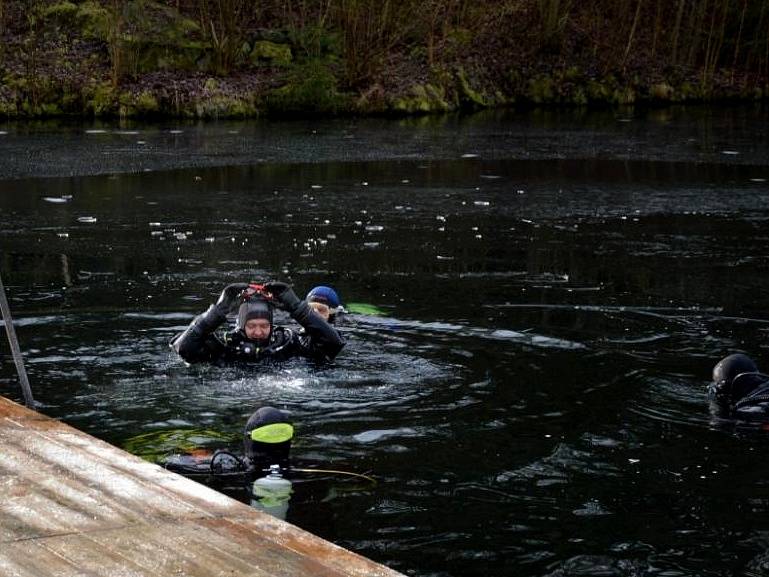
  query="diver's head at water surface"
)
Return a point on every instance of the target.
[
  {"x": 734, "y": 377},
  {"x": 255, "y": 319},
  {"x": 267, "y": 437},
  {"x": 324, "y": 301}
]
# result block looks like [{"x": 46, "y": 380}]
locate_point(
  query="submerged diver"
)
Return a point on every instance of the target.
[
  {"x": 739, "y": 390},
  {"x": 255, "y": 338},
  {"x": 266, "y": 447}
]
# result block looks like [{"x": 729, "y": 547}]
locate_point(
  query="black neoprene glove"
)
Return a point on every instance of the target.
[
  {"x": 284, "y": 294},
  {"x": 229, "y": 300}
]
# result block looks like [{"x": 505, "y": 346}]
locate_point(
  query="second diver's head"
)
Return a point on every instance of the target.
[
  {"x": 267, "y": 437},
  {"x": 726, "y": 386},
  {"x": 324, "y": 301},
  {"x": 255, "y": 319}
]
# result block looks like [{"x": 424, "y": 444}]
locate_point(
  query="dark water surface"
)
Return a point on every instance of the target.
[{"x": 557, "y": 288}]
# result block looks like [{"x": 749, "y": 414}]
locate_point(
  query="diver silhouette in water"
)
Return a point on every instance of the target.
[
  {"x": 267, "y": 440},
  {"x": 739, "y": 390},
  {"x": 255, "y": 338}
]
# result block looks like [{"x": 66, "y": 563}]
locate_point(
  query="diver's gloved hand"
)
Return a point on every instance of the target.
[
  {"x": 284, "y": 294},
  {"x": 230, "y": 300}
]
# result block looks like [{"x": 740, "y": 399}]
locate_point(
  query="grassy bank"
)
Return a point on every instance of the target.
[{"x": 240, "y": 58}]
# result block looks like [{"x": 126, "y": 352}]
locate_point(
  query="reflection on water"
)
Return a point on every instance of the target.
[{"x": 531, "y": 400}]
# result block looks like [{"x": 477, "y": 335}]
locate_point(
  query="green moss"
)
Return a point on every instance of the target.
[
  {"x": 100, "y": 99},
  {"x": 468, "y": 98},
  {"x": 311, "y": 87},
  {"x": 579, "y": 96},
  {"x": 422, "y": 99},
  {"x": 541, "y": 89},
  {"x": 625, "y": 95},
  {"x": 599, "y": 92},
  {"x": 93, "y": 20},
  {"x": 265, "y": 51},
  {"x": 221, "y": 106},
  {"x": 146, "y": 102},
  {"x": 60, "y": 10}
]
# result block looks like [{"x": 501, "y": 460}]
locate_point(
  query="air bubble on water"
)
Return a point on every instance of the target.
[
  {"x": 730, "y": 152},
  {"x": 364, "y": 211},
  {"x": 155, "y": 224},
  {"x": 521, "y": 191},
  {"x": 141, "y": 142},
  {"x": 175, "y": 131},
  {"x": 441, "y": 229},
  {"x": 96, "y": 131},
  {"x": 474, "y": 228},
  {"x": 364, "y": 183},
  {"x": 481, "y": 203},
  {"x": 56, "y": 199},
  {"x": 331, "y": 236},
  {"x": 327, "y": 221},
  {"x": 405, "y": 181},
  {"x": 180, "y": 236},
  {"x": 3, "y": 132},
  {"x": 374, "y": 228},
  {"x": 232, "y": 239},
  {"x": 441, "y": 218},
  {"x": 156, "y": 233},
  {"x": 87, "y": 219},
  {"x": 358, "y": 223},
  {"x": 441, "y": 257},
  {"x": 371, "y": 244},
  {"x": 316, "y": 186},
  {"x": 469, "y": 155},
  {"x": 490, "y": 176},
  {"x": 478, "y": 236},
  {"x": 399, "y": 207},
  {"x": 757, "y": 180},
  {"x": 62, "y": 234}
]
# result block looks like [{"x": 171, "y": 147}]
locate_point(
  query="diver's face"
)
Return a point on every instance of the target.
[
  {"x": 321, "y": 309},
  {"x": 257, "y": 329}
]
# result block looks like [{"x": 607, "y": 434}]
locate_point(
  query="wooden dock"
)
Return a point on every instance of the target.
[{"x": 72, "y": 505}]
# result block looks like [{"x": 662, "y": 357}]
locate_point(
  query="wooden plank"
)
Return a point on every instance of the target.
[{"x": 74, "y": 506}]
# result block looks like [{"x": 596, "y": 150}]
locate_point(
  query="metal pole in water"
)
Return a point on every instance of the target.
[{"x": 15, "y": 350}]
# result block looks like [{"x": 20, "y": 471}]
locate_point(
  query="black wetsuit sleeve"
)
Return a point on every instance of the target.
[
  {"x": 321, "y": 342},
  {"x": 198, "y": 343}
]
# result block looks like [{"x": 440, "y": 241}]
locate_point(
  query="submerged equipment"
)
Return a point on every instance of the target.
[{"x": 272, "y": 493}]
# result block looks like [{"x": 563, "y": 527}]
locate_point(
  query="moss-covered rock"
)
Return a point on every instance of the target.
[
  {"x": 272, "y": 53},
  {"x": 422, "y": 99},
  {"x": 310, "y": 88}
]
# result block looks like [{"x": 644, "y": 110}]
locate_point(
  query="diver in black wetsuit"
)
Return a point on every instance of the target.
[
  {"x": 739, "y": 390},
  {"x": 266, "y": 441},
  {"x": 255, "y": 338}
]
